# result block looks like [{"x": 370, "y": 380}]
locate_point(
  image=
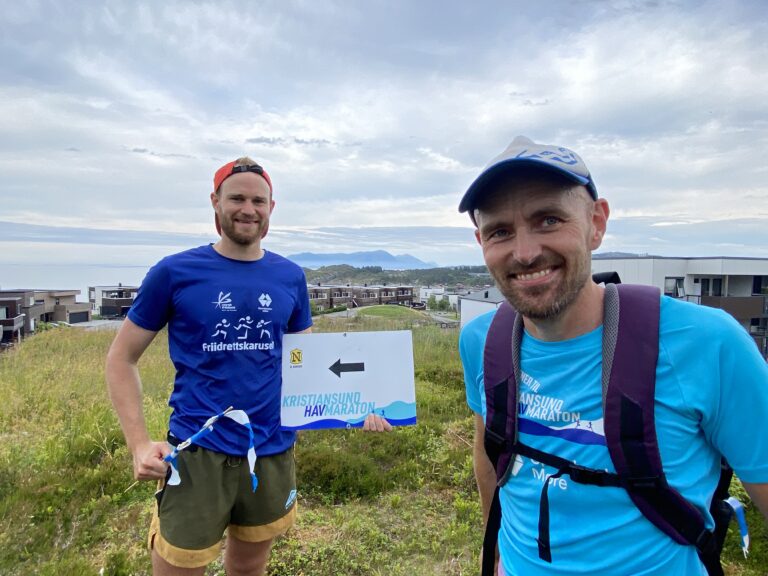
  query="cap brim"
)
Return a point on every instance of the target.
[{"x": 482, "y": 182}]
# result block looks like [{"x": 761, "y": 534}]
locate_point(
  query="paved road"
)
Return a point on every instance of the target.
[{"x": 99, "y": 325}]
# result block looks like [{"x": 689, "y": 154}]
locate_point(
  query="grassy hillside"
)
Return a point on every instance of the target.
[{"x": 398, "y": 504}]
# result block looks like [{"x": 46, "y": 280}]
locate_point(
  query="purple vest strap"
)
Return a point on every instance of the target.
[
  {"x": 630, "y": 427},
  {"x": 630, "y": 354},
  {"x": 499, "y": 380}
]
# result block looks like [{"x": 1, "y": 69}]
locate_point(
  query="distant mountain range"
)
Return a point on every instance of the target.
[
  {"x": 359, "y": 259},
  {"x": 388, "y": 261}
]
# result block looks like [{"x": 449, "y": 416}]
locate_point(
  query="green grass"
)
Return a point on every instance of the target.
[
  {"x": 391, "y": 311},
  {"x": 402, "y": 503}
]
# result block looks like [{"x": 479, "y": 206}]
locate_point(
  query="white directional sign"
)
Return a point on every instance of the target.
[{"x": 335, "y": 380}]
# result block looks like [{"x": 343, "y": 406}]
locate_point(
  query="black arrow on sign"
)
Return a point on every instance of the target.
[{"x": 337, "y": 367}]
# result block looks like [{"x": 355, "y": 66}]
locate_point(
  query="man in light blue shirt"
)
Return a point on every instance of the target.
[{"x": 538, "y": 218}]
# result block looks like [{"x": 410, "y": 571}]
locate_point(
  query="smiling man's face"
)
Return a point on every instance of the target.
[
  {"x": 243, "y": 205},
  {"x": 537, "y": 238}
]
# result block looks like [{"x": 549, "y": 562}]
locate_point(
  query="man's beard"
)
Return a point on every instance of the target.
[
  {"x": 534, "y": 303},
  {"x": 228, "y": 228}
]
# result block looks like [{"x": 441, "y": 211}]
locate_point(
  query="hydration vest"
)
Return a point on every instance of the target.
[{"x": 629, "y": 354}]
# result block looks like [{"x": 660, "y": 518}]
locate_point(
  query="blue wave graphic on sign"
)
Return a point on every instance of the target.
[{"x": 398, "y": 414}]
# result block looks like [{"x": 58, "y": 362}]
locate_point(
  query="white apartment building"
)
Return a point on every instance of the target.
[{"x": 737, "y": 285}]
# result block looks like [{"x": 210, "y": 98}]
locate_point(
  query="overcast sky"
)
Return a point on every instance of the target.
[{"x": 372, "y": 119}]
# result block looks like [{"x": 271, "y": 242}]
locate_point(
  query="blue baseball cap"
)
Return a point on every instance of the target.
[{"x": 525, "y": 153}]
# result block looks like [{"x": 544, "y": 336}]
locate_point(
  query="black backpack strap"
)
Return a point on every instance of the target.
[
  {"x": 491, "y": 537},
  {"x": 722, "y": 513},
  {"x": 606, "y": 278},
  {"x": 630, "y": 354}
]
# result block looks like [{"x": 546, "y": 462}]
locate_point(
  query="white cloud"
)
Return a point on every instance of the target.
[{"x": 379, "y": 115}]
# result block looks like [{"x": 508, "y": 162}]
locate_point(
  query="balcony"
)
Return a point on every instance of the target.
[
  {"x": 740, "y": 307},
  {"x": 117, "y": 302},
  {"x": 12, "y": 324}
]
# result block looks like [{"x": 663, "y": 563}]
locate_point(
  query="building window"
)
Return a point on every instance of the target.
[
  {"x": 4, "y": 312},
  {"x": 717, "y": 286},
  {"x": 674, "y": 287}
]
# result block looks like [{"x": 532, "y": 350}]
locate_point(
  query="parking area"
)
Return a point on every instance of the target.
[{"x": 99, "y": 325}]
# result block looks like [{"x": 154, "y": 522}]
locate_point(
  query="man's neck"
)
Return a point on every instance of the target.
[
  {"x": 582, "y": 316},
  {"x": 236, "y": 251}
]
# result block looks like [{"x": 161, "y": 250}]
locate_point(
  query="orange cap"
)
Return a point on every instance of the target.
[{"x": 229, "y": 168}]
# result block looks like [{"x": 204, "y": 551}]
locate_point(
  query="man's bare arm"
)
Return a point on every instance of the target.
[
  {"x": 485, "y": 475},
  {"x": 124, "y": 386},
  {"x": 759, "y": 495}
]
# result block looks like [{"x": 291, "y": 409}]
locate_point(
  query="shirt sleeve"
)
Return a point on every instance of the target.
[
  {"x": 737, "y": 425},
  {"x": 471, "y": 343},
  {"x": 301, "y": 318},
  {"x": 153, "y": 305}
]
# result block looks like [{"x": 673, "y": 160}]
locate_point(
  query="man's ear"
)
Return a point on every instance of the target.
[
  {"x": 477, "y": 237},
  {"x": 214, "y": 200},
  {"x": 600, "y": 213}
]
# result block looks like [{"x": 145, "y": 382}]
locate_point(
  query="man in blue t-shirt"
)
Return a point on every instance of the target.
[
  {"x": 227, "y": 307},
  {"x": 538, "y": 218}
]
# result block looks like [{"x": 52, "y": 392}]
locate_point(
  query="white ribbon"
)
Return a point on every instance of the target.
[
  {"x": 738, "y": 510},
  {"x": 238, "y": 416}
]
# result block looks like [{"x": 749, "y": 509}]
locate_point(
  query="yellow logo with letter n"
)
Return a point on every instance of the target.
[{"x": 296, "y": 356}]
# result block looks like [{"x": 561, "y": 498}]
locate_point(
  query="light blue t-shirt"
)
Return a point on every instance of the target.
[
  {"x": 711, "y": 398},
  {"x": 226, "y": 319}
]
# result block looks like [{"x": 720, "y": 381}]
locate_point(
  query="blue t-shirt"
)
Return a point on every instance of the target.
[
  {"x": 711, "y": 398},
  {"x": 226, "y": 319}
]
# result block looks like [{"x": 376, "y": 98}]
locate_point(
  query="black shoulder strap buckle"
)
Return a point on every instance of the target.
[
  {"x": 706, "y": 542},
  {"x": 592, "y": 476},
  {"x": 640, "y": 483}
]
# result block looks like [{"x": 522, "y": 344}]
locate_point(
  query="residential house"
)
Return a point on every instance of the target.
[
  {"x": 352, "y": 296},
  {"x": 451, "y": 295},
  {"x": 341, "y": 295},
  {"x": 48, "y": 306},
  {"x": 395, "y": 294},
  {"x": 365, "y": 295},
  {"x": 111, "y": 301},
  {"x": 320, "y": 296},
  {"x": 479, "y": 302},
  {"x": 426, "y": 291},
  {"x": 11, "y": 319}
]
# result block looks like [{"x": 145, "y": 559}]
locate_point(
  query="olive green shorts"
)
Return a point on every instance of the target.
[{"x": 215, "y": 494}]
